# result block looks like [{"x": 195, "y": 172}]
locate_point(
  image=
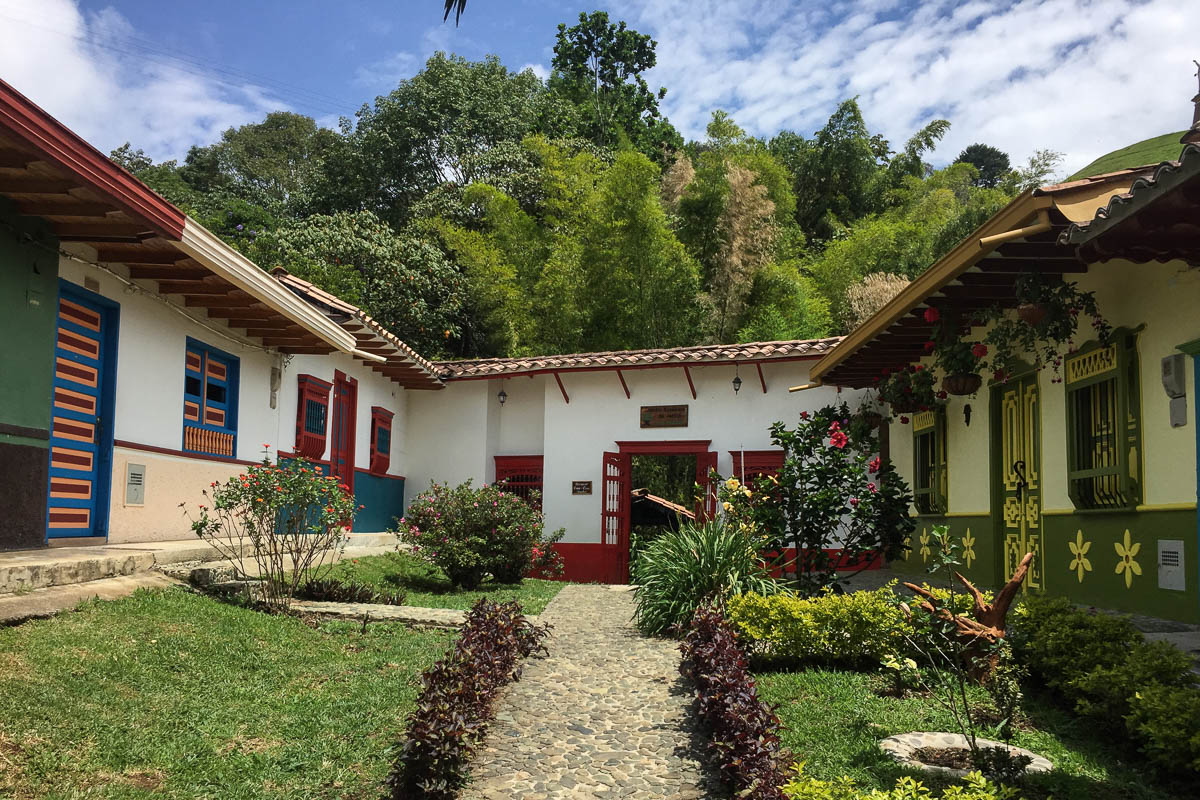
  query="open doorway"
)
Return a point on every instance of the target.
[{"x": 662, "y": 498}]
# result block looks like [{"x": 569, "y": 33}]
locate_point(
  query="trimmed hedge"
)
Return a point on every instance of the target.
[
  {"x": 456, "y": 700},
  {"x": 1106, "y": 670},
  {"x": 744, "y": 732}
]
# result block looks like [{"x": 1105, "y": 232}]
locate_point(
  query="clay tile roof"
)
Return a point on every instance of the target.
[
  {"x": 1153, "y": 181},
  {"x": 404, "y": 365},
  {"x": 668, "y": 356}
]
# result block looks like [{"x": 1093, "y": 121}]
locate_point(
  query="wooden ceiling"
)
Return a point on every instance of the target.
[{"x": 81, "y": 214}]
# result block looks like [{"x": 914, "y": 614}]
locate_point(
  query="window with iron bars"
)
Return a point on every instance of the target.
[
  {"x": 930, "y": 487},
  {"x": 521, "y": 475},
  {"x": 1104, "y": 425}
]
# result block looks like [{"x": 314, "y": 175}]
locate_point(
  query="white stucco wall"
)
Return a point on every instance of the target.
[{"x": 447, "y": 444}]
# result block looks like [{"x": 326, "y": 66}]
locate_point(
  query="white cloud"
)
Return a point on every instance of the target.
[
  {"x": 86, "y": 71},
  {"x": 1080, "y": 76},
  {"x": 541, "y": 70}
]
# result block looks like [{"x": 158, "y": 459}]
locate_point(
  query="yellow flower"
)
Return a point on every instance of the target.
[
  {"x": 1079, "y": 549},
  {"x": 925, "y": 544},
  {"x": 1126, "y": 564},
  {"x": 732, "y": 483},
  {"x": 746, "y": 491},
  {"x": 727, "y": 506},
  {"x": 968, "y": 547}
]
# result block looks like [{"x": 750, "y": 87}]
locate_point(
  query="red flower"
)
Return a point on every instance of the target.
[
  {"x": 873, "y": 488},
  {"x": 998, "y": 376},
  {"x": 873, "y": 467},
  {"x": 904, "y": 420},
  {"x": 932, "y": 315},
  {"x": 979, "y": 350},
  {"x": 838, "y": 440},
  {"x": 803, "y": 415},
  {"x": 918, "y": 367},
  {"x": 941, "y": 395},
  {"x": 854, "y": 502},
  {"x": 929, "y": 347},
  {"x": 835, "y": 425}
]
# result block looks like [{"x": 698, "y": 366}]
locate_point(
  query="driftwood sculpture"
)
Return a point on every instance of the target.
[{"x": 987, "y": 628}]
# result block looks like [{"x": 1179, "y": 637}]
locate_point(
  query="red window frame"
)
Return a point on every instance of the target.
[
  {"x": 522, "y": 475},
  {"x": 381, "y": 425},
  {"x": 312, "y": 417},
  {"x": 758, "y": 464}
]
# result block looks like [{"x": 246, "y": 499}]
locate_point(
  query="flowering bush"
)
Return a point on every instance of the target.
[
  {"x": 833, "y": 493},
  {"x": 293, "y": 518},
  {"x": 469, "y": 533}
]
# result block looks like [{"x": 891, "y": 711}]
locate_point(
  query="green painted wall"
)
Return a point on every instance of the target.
[
  {"x": 28, "y": 294},
  {"x": 383, "y": 497},
  {"x": 1099, "y": 583}
]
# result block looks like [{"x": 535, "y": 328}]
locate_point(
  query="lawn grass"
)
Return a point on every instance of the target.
[
  {"x": 428, "y": 587},
  {"x": 169, "y": 694},
  {"x": 833, "y": 720}
]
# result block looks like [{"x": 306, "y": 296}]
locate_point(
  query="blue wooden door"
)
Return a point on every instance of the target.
[{"x": 81, "y": 418}]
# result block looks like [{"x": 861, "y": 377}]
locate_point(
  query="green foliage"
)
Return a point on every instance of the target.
[
  {"x": 853, "y": 630},
  {"x": 1107, "y": 671},
  {"x": 680, "y": 569},
  {"x": 991, "y": 162},
  {"x": 598, "y": 65},
  {"x": 469, "y": 533},
  {"x": 833, "y": 493},
  {"x": 1166, "y": 720},
  {"x": 402, "y": 281},
  {"x": 805, "y": 787}
]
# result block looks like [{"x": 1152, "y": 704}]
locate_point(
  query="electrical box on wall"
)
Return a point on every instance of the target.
[
  {"x": 135, "y": 484},
  {"x": 1174, "y": 382},
  {"x": 1170, "y": 565}
]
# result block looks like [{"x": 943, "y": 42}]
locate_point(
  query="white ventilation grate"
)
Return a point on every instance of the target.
[{"x": 1171, "y": 574}]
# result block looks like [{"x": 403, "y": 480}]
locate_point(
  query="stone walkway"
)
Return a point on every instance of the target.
[{"x": 605, "y": 715}]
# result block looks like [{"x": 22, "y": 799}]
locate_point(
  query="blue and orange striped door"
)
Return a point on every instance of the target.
[{"x": 77, "y": 436}]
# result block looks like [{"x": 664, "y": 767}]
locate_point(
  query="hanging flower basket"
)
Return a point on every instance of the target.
[
  {"x": 1032, "y": 314},
  {"x": 963, "y": 384},
  {"x": 873, "y": 418}
]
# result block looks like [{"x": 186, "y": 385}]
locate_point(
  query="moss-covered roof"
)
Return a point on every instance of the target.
[{"x": 1150, "y": 151}]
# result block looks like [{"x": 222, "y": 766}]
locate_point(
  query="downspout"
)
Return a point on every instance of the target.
[{"x": 1040, "y": 226}]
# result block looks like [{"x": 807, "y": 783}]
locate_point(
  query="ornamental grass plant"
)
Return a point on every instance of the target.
[{"x": 680, "y": 569}]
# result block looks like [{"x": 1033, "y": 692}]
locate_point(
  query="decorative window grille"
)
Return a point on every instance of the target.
[
  {"x": 930, "y": 490},
  {"x": 521, "y": 475},
  {"x": 381, "y": 439},
  {"x": 210, "y": 394},
  {"x": 1104, "y": 425},
  {"x": 312, "y": 415}
]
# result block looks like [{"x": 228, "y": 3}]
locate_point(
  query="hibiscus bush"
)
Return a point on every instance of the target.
[
  {"x": 833, "y": 493},
  {"x": 470, "y": 533},
  {"x": 289, "y": 518}
]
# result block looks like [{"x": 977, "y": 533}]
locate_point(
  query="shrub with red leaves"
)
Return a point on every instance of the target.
[
  {"x": 743, "y": 731},
  {"x": 455, "y": 704}
]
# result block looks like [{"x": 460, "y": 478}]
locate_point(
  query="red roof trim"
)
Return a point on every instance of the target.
[{"x": 65, "y": 149}]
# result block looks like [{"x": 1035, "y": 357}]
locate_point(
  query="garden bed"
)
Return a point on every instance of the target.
[
  {"x": 177, "y": 695},
  {"x": 427, "y": 586},
  {"x": 833, "y": 721}
]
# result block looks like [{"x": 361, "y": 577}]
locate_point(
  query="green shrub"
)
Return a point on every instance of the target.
[
  {"x": 681, "y": 568},
  {"x": 1107, "y": 691},
  {"x": 858, "y": 629},
  {"x": 1167, "y": 721},
  {"x": 976, "y": 787}
]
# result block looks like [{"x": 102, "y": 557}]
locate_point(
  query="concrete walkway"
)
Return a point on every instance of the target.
[{"x": 606, "y": 714}]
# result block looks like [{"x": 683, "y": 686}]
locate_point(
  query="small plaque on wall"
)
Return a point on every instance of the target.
[
  {"x": 581, "y": 487},
  {"x": 664, "y": 416}
]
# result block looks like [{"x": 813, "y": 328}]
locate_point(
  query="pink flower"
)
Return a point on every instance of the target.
[
  {"x": 873, "y": 467},
  {"x": 872, "y": 488},
  {"x": 838, "y": 440},
  {"x": 854, "y": 502},
  {"x": 932, "y": 315},
  {"x": 979, "y": 350},
  {"x": 835, "y": 425}
]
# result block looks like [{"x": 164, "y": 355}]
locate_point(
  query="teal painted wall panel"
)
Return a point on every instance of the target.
[
  {"x": 28, "y": 299},
  {"x": 383, "y": 497}
]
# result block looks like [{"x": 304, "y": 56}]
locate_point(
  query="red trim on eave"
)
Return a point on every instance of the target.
[
  {"x": 691, "y": 385},
  {"x": 52, "y": 140},
  {"x": 761, "y": 379},
  {"x": 624, "y": 385},
  {"x": 562, "y": 388}
]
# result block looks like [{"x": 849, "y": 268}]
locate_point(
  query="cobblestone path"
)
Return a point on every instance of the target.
[{"x": 605, "y": 715}]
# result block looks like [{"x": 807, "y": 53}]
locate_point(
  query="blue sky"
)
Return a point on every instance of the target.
[{"x": 1078, "y": 76}]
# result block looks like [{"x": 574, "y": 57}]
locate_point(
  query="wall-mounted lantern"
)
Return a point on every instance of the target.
[
  {"x": 502, "y": 396},
  {"x": 737, "y": 380}
]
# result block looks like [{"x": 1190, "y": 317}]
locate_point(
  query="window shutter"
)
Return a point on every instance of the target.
[{"x": 312, "y": 417}]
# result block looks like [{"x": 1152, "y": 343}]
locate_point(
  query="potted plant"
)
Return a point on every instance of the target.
[
  {"x": 907, "y": 389},
  {"x": 960, "y": 360}
]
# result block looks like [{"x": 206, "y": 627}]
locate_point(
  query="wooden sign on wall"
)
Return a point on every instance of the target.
[
  {"x": 581, "y": 487},
  {"x": 664, "y": 416}
]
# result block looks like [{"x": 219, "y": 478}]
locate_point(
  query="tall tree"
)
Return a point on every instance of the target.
[
  {"x": 598, "y": 65},
  {"x": 991, "y": 162}
]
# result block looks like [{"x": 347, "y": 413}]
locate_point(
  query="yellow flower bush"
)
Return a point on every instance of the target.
[{"x": 975, "y": 787}]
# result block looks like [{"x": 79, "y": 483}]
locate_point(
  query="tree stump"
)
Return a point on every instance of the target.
[{"x": 988, "y": 626}]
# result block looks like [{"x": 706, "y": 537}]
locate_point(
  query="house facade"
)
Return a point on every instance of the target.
[{"x": 1093, "y": 466}]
